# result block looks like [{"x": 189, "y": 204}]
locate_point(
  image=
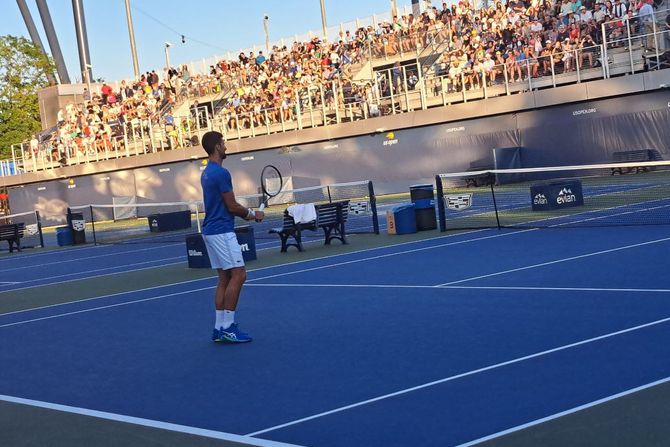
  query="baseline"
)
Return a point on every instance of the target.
[{"x": 147, "y": 422}]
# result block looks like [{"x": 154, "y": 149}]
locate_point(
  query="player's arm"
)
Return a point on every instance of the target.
[{"x": 238, "y": 210}]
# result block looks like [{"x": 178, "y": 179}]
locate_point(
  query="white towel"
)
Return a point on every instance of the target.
[{"x": 302, "y": 213}]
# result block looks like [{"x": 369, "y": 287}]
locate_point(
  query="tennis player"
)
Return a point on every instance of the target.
[{"x": 218, "y": 232}]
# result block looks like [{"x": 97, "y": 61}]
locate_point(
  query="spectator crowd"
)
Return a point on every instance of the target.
[{"x": 506, "y": 41}]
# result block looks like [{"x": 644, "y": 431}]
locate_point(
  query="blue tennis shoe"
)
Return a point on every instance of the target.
[
  {"x": 231, "y": 335},
  {"x": 216, "y": 335}
]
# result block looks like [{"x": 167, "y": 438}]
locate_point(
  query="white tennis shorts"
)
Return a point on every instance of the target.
[{"x": 224, "y": 251}]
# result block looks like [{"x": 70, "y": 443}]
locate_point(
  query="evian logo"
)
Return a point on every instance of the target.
[
  {"x": 195, "y": 253},
  {"x": 154, "y": 223},
  {"x": 565, "y": 196},
  {"x": 244, "y": 247},
  {"x": 540, "y": 199}
]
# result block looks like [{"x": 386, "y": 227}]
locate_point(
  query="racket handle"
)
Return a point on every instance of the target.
[{"x": 262, "y": 207}]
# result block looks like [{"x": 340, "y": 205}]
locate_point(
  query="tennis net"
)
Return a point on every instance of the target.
[
  {"x": 170, "y": 222},
  {"x": 32, "y": 231},
  {"x": 615, "y": 194},
  {"x": 137, "y": 222},
  {"x": 362, "y": 216}
]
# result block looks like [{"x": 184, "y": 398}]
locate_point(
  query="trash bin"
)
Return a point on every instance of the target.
[
  {"x": 196, "y": 250},
  {"x": 401, "y": 220},
  {"x": 64, "y": 236},
  {"x": 423, "y": 198},
  {"x": 176, "y": 220},
  {"x": 77, "y": 224}
]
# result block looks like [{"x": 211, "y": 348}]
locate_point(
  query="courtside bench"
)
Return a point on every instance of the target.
[
  {"x": 480, "y": 179},
  {"x": 12, "y": 233},
  {"x": 330, "y": 217},
  {"x": 634, "y": 156}
]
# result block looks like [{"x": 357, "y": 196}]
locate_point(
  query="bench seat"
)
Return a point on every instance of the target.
[
  {"x": 12, "y": 233},
  {"x": 330, "y": 217},
  {"x": 634, "y": 156}
]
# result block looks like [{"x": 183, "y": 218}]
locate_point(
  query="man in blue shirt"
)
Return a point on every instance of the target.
[{"x": 218, "y": 232}]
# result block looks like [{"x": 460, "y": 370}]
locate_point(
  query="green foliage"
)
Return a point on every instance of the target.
[{"x": 23, "y": 71}]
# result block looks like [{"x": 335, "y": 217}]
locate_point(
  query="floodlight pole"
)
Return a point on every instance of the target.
[
  {"x": 133, "y": 48},
  {"x": 267, "y": 33},
  {"x": 167, "y": 55},
  {"x": 324, "y": 24}
]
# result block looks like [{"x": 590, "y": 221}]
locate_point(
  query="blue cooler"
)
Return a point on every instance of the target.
[
  {"x": 64, "y": 236},
  {"x": 423, "y": 198},
  {"x": 401, "y": 220}
]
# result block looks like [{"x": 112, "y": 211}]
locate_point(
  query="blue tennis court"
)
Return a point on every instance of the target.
[{"x": 443, "y": 341}]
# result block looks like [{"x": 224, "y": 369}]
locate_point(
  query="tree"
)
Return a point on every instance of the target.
[{"x": 23, "y": 71}]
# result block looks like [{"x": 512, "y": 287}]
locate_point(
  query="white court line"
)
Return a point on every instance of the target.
[
  {"x": 9, "y": 283},
  {"x": 109, "y": 306},
  {"x": 64, "y": 261},
  {"x": 95, "y": 276},
  {"x": 146, "y": 422},
  {"x": 557, "y": 261},
  {"x": 302, "y": 261},
  {"x": 406, "y": 286},
  {"x": 414, "y": 250},
  {"x": 565, "y": 413},
  {"x": 459, "y": 376}
]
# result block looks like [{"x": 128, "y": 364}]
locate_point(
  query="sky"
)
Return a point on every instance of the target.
[{"x": 212, "y": 28}]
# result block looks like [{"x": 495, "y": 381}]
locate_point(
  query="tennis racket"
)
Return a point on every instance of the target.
[{"x": 271, "y": 184}]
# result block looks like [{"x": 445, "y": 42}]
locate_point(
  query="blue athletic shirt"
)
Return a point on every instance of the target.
[{"x": 215, "y": 180}]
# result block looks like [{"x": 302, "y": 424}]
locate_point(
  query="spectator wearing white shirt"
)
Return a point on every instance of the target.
[
  {"x": 599, "y": 13},
  {"x": 585, "y": 16}
]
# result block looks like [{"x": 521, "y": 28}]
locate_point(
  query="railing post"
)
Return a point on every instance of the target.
[
  {"x": 311, "y": 107},
  {"x": 444, "y": 91},
  {"x": 336, "y": 103},
  {"x": 507, "y": 92},
  {"x": 251, "y": 123},
  {"x": 391, "y": 86},
  {"x": 422, "y": 86},
  {"x": 237, "y": 126},
  {"x": 404, "y": 81},
  {"x": 484, "y": 81},
  {"x": 465, "y": 98},
  {"x": 654, "y": 30},
  {"x": 577, "y": 65},
  {"x": 298, "y": 109},
  {"x": 323, "y": 105},
  {"x": 603, "y": 53},
  {"x": 553, "y": 71},
  {"x": 630, "y": 48}
]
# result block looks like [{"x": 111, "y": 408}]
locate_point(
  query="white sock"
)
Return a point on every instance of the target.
[
  {"x": 219, "y": 319},
  {"x": 228, "y": 318}
]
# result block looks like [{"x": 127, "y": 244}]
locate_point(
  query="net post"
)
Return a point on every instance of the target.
[
  {"x": 197, "y": 217},
  {"x": 441, "y": 214},
  {"x": 95, "y": 241},
  {"x": 495, "y": 206},
  {"x": 373, "y": 207},
  {"x": 38, "y": 218},
  {"x": 330, "y": 199}
]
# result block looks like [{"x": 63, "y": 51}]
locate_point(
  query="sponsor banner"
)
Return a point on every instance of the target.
[
  {"x": 360, "y": 207},
  {"x": 459, "y": 202},
  {"x": 556, "y": 195}
]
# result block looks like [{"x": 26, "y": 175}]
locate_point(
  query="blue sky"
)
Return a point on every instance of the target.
[{"x": 219, "y": 26}]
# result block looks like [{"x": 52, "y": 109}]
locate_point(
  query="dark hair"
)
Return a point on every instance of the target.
[{"x": 210, "y": 140}]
